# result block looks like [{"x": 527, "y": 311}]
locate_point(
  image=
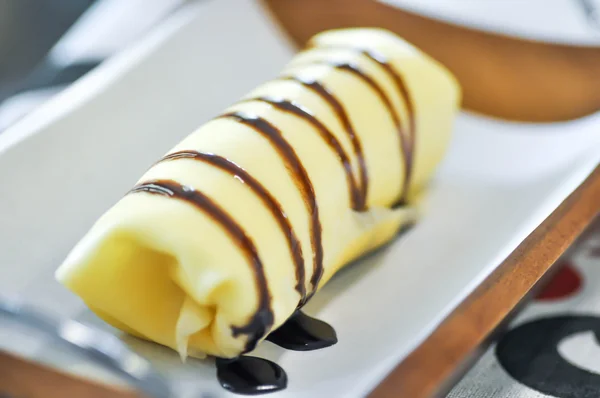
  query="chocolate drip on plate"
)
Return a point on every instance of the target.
[
  {"x": 251, "y": 375},
  {"x": 248, "y": 375},
  {"x": 303, "y": 333}
]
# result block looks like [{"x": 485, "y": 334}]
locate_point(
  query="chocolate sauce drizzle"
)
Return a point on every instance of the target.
[
  {"x": 406, "y": 136},
  {"x": 404, "y": 145},
  {"x": 262, "y": 320},
  {"x": 408, "y": 145},
  {"x": 342, "y": 116},
  {"x": 267, "y": 198},
  {"x": 356, "y": 199},
  {"x": 301, "y": 179}
]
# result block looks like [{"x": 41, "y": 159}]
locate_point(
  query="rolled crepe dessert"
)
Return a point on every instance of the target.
[{"x": 225, "y": 237}]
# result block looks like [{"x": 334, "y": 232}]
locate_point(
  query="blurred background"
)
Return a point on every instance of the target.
[{"x": 47, "y": 45}]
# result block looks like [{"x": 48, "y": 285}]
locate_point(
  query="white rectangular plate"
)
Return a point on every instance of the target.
[{"x": 64, "y": 165}]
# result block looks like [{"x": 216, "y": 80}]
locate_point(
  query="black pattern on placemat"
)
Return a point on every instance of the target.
[{"x": 529, "y": 353}]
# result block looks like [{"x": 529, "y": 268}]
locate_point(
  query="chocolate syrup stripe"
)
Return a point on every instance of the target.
[
  {"x": 409, "y": 149},
  {"x": 300, "y": 178},
  {"x": 407, "y": 138},
  {"x": 264, "y": 195},
  {"x": 262, "y": 320},
  {"x": 342, "y": 116},
  {"x": 356, "y": 201},
  {"x": 369, "y": 81}
]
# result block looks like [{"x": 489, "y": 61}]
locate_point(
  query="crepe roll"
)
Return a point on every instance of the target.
[{"x": 242, "y": 222}]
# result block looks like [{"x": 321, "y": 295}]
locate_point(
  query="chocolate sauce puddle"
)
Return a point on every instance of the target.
[
  {"x": 248, "y": 375},
  {"x": 303, "y": 333}
]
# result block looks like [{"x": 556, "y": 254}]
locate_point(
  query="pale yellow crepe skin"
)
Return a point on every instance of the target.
[{"x": 161, "y": 269}]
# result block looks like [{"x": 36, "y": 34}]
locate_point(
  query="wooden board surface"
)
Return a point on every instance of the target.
[{"x": 20, "y": 378}]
